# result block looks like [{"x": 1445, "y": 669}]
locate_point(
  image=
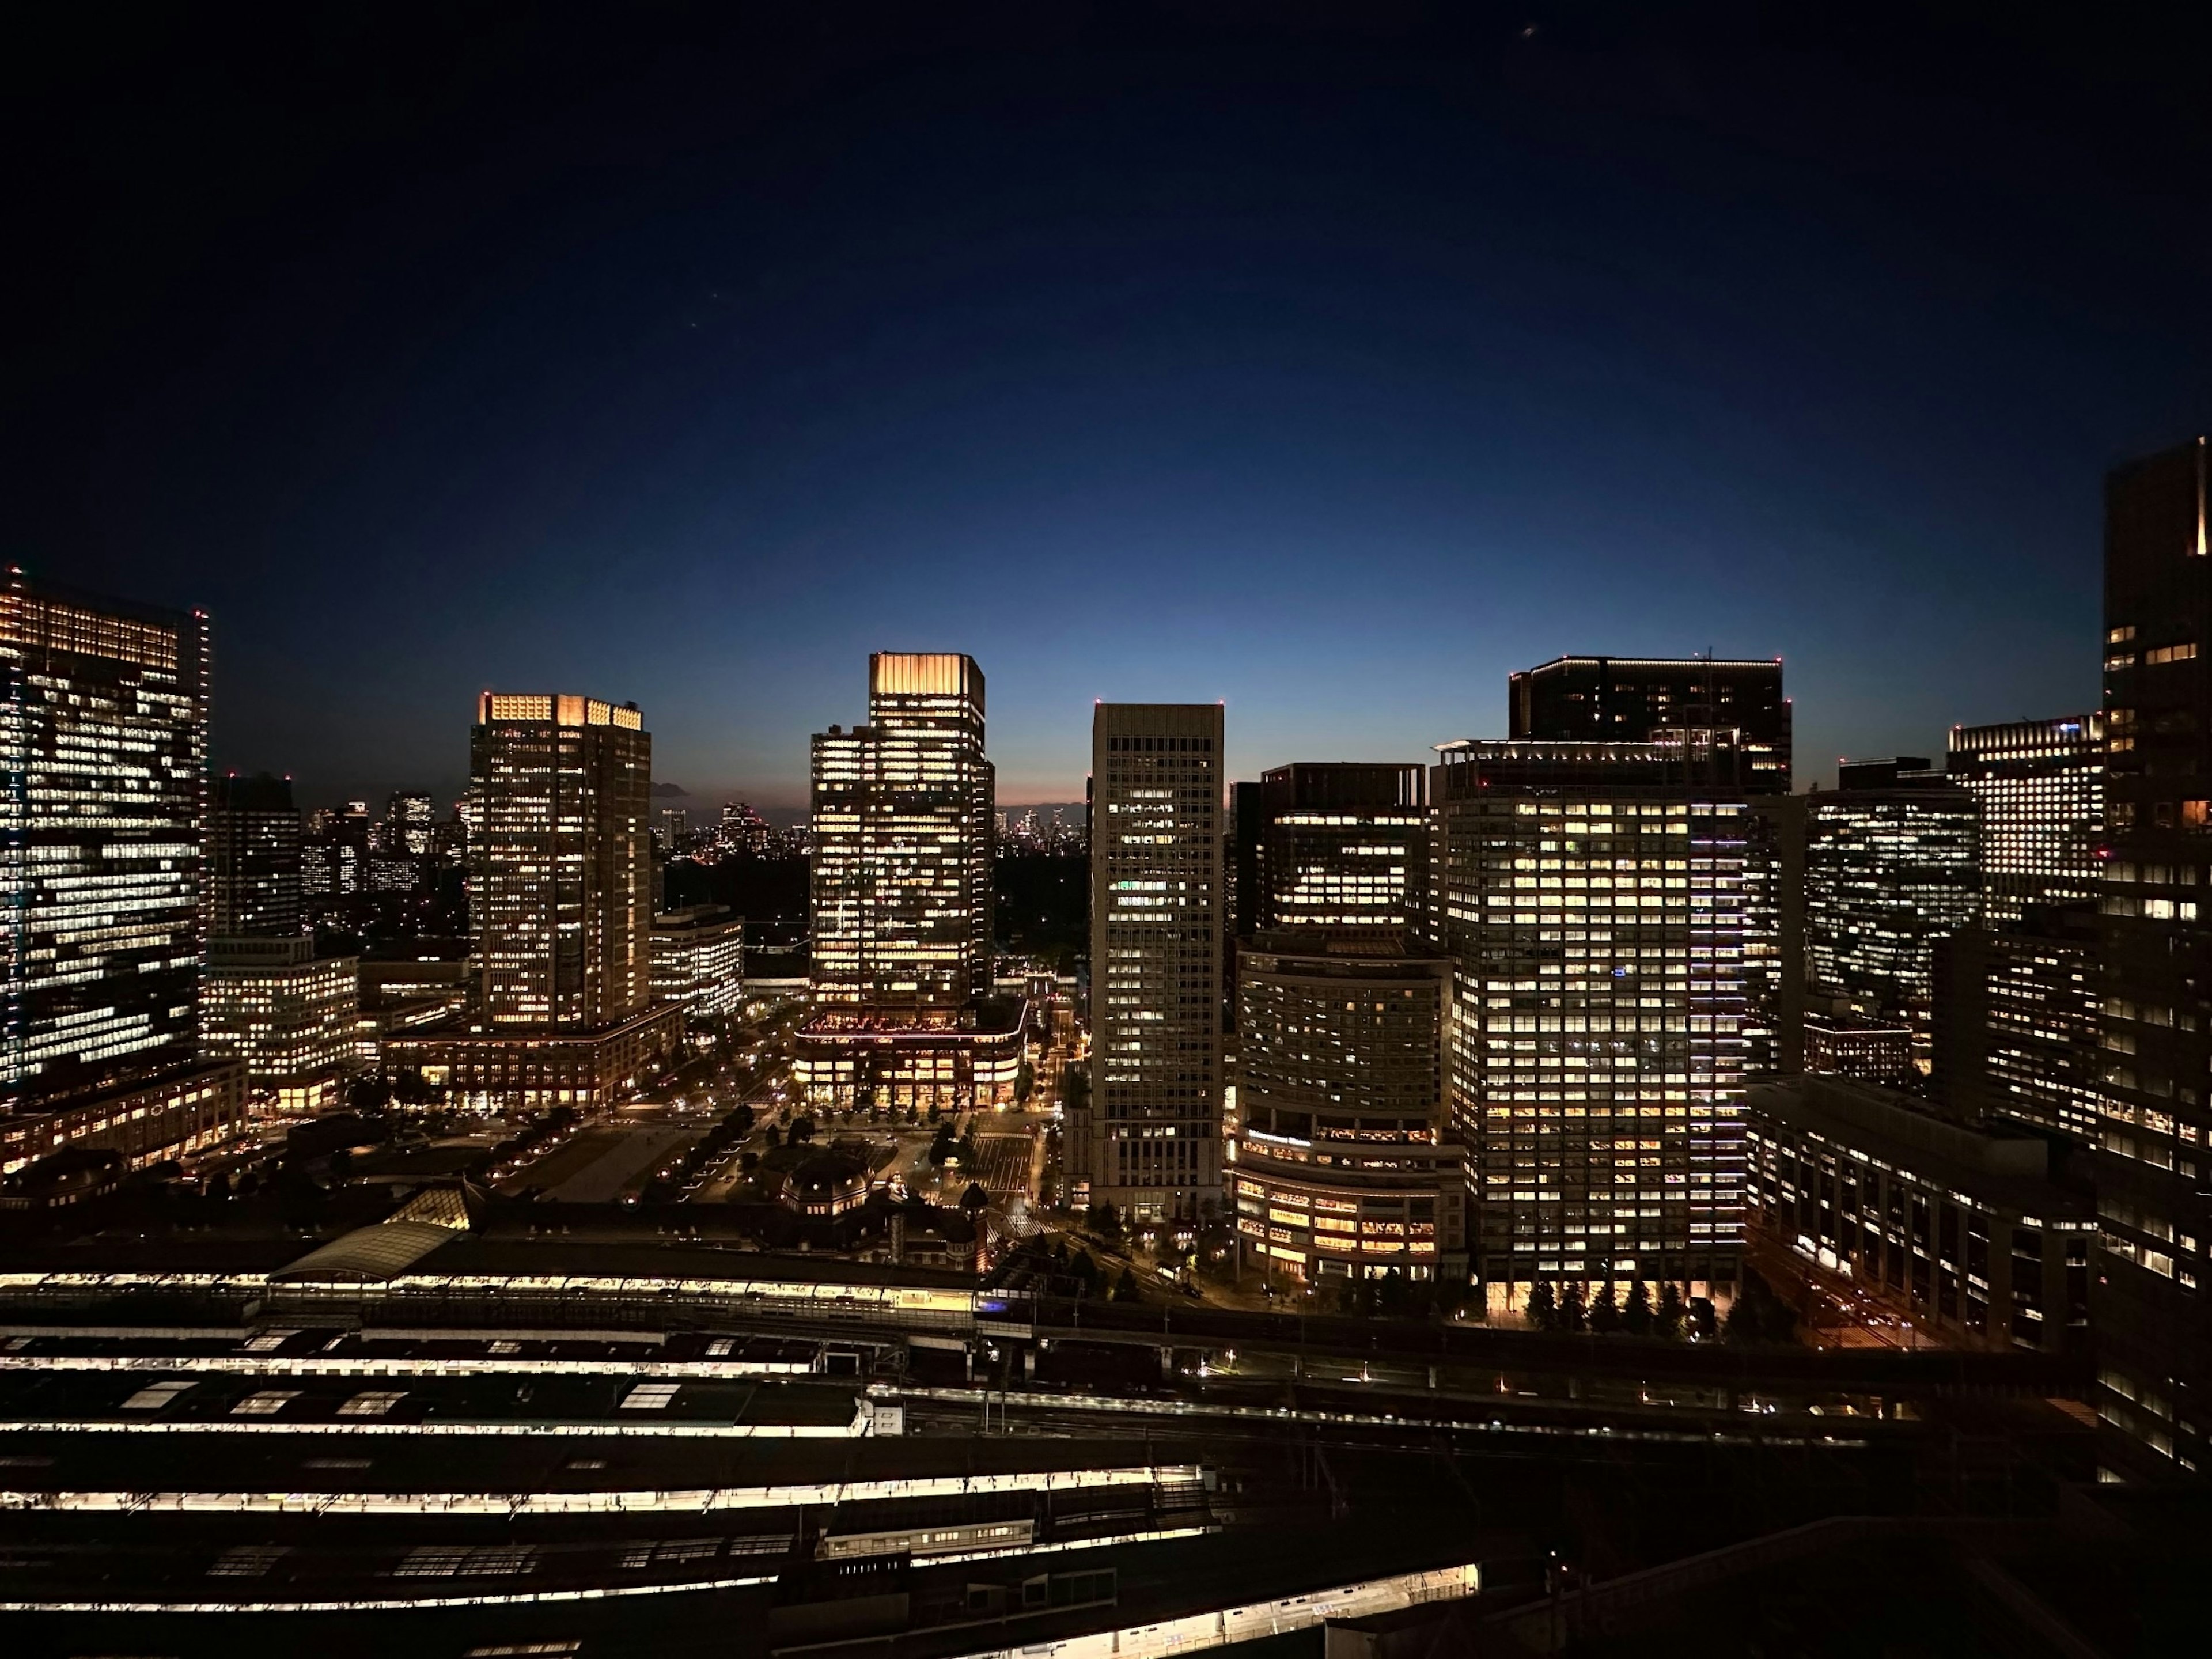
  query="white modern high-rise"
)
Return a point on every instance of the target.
[
  {"x": 1591, "y": 895},
  {"x": 1149, "y": 1141}
]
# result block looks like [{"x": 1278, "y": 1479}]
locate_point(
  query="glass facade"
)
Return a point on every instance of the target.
[
  {"x": 1344, "y": 846},
  {"x": 103, "y": 752},
  {"x": 1888, "y": 872},
  {"x": 2041, "y": 788}
]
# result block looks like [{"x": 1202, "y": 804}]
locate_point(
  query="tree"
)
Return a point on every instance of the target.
[
  {"x": 1702, "y": 1326},
  {"x": 1024, "y": 1083},
  {"x": 219, "y": 1189},
  {"x": 341, "y": 1165},
  {"x": 1636, "y": 1318},
  {"x": 1103, "y": 1220},
  {"x": 975, "y": 1200},
  {"x": 1668, "y": 1322},
  {"x": 802, "y": 1131},
  {"x": 1127, "y": 1290},
  {"x": 1571, "y": 1316},
  {"x": 1543, "y": 1306},
  {"x": 773, "y": 1137},
  {"x": 1743, "y": 1322},
  {"x": 1605, "y": 1310},
  {"x": 1083, "y": 1271}
]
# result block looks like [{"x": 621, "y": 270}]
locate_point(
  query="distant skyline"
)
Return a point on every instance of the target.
[{"x": 1332, "y": 371}]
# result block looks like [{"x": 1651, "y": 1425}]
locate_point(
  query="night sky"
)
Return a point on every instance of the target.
[{"x": 1330, "y": 362}]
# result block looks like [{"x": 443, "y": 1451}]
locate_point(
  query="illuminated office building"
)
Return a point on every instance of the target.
[
  {"x": 1972, "y": 1233},
  {"x": 1150, "y": 1140},
  {"x": 288, "y": 1015},
  {"x": 673, "y": 823},
  {"x": 1633, "y": 699},
  {"x": 408, "y": 819},
  {"x": 559, "y": 876},
  {"x": 1642, "y": 699},
  {"x": 1893, "y": 863},
  {"x": 1342, "y": 1168},
  {"x": 103, "y": 759},
  {"x": 901, "y": 894},
  {"x": 2154, "y": 1173},
  {"x": 266, "y": 1001},
  {"x": 253, "y": 858},
  {"x": 2017, "y": 1018},
  {"x": 1590, "y": 896},
  {"x": 104, "y": 752},
  {"x": 1344, "y": 846},
  {"x": 560, "y": 911},
  {"x": 2041, "y": 787},
  {"x": 699, "y": 960}
]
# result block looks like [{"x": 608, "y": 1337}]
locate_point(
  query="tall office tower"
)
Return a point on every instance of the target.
[
  {"x": 1893, "y": 863},
  {"x": 558, "y": 881},
  {"x": 1342, "y": 1168},
  {"x": 901, "y": 895},
  {"x": 1344, "y": 846},
  {"x": 1150, "y": 1143},
  {"x": 408, "y": 819},
  {"x": 2041, "y": 786},
  {"x": 265, "y": 999},
  {"x": 2154, "y": 1329},
  {"x": 104, "y": 750},
  {"x": 1633, "y": 699},
  {"x": 252, "y": 858},
  {"x": 1590, "y": 896},
  {"x": 2015, "y": 1022},
  {"x": 102, "y": 774},
  {"x": 1644, "y": 699},
  {"x": 1247, "y": 834}
]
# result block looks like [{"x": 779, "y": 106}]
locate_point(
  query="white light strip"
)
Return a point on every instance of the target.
[
  {"x": 316, "y": 1365},
  {"x": 449, "y": 1427},
  {"x": 1389, "y": 1420},
  {"x": 697, "y": 1501},
  {"x": 387, "y": 1604},
  {"x": 1254, "y": 1619}
]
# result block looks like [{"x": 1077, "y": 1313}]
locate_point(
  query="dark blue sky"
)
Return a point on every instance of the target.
[{"x": 1332, "y": 368}]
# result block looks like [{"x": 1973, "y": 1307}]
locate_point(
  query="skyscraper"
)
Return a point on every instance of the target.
[
  {"x": 901, "y": 895},
  {"x": 267, "y": 1001},
  {"x": 1654, "y": 699},
  {"x": 105, "y": 751},
  {"x": 254, "y": 846},
  {"x": 1590, "y": 896},
  {"x": 1892, "y": 864},
  {"x": 2155, "y": 1175},
  {"x": 2040, "y": 784},
  {"x": 1150, "y": 1140},
  {"x": 560, "y": 876},
  {"x": 1344, "y": 845},
  {"x": 2017, "y": 1018},
  {"x": 102, "y": 773},
  {"x": 560, "y": 910},
  {"x": 1633, "y": 699}
]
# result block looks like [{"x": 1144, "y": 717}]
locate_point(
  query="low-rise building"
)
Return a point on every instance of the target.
[
  {"x": 1973, "y": 1235},
  {"x": 590, "y": 1069},
  {"x": 146, "y": 1120}
]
